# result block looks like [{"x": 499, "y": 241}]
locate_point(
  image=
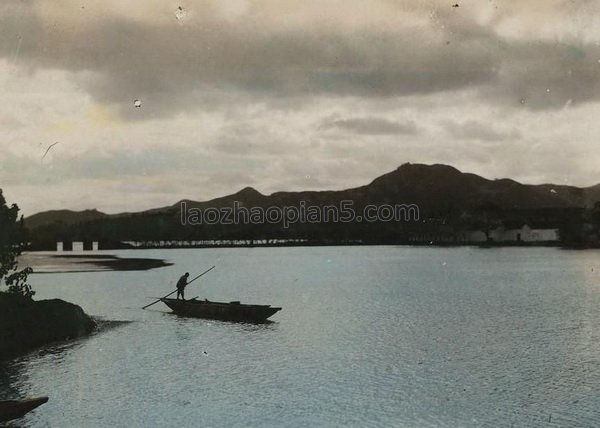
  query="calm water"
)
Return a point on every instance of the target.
[{"x": 368, "y": 336}]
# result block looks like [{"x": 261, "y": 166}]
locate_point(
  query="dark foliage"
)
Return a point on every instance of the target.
[{"x": 13, "y": 238}]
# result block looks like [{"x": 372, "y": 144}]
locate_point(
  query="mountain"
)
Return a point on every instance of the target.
[
  {"x": 66, "y": 217},
  {"x": 437, "y": 187},
  {"x": 248, "y": 196},
  {"x": 445, "y": 196},
  {"x": 434, "y": 188},
  {"x": 592, "y": 195}
]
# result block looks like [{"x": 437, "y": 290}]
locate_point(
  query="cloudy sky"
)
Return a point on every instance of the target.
[{"x": 152, "y": 101}]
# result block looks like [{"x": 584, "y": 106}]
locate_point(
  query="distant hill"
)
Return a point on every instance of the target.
[
  {"x": 66, "y": 217},
  {"x": 446, "y": 197},
  {"x": 439, "y": 186},
  {"x": 435, "y": 188},
  {"x": 592, "y": 195}
]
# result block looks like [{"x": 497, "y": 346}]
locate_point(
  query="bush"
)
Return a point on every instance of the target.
[{"x": 12, "y": 241}]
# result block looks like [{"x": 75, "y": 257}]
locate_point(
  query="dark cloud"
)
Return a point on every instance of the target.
[
  {"x": 371, "y": 126},
  {"x": 171, "y": 68},
  {"x": 285, "y": 95},
  {"x": 473, "y": 130},
  {"x": 544, "y": 75}
]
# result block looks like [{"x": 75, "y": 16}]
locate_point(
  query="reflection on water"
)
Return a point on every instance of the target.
[
  {"x": 14, "y": 385},
  {"x": 377, "y": 336},
  {"x": 9, "y": 378},
  {"x": 87, "y": 261}
]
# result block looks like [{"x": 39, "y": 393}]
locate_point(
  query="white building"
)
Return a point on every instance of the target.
[
  {"x": 524, "y": 234},
  {"x": 77, "y": 246}
]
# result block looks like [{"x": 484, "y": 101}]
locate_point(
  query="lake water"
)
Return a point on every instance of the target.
[{"x": 368, "y": 337}]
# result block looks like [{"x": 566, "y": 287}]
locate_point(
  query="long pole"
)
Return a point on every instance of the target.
[{"x": 206, "y": 271}]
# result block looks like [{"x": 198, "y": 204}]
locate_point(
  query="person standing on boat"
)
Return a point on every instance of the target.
[{"x": 181, "y": 285}]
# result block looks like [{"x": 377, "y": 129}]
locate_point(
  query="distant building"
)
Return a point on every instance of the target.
[
  {"x": 524, "y": 234},
  {"x": 77, "y": 246},
  {"x": 90, "y": 245}
]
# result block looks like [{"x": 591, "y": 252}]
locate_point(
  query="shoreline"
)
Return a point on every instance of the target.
[
  {"x": 27, "y": 325},
  {"x": 44, "y": 262},
  {"x": 352, "y": 244}
]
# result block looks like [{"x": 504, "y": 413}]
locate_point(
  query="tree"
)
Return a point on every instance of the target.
[
  {"x": 487, "y": 216},
  {"x": 12, "y": 241},
  {"x": 596, "y": 214}
]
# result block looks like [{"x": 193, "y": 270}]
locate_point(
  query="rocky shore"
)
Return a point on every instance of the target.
[{"x": 26, "y": 324}]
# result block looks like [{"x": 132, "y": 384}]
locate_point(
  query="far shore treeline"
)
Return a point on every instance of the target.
[{"x": 450, "y": 203}]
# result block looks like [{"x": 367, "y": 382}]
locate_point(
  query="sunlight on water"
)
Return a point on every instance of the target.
[{"x": 368, "y": 336}]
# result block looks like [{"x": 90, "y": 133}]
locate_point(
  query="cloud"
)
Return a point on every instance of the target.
[
  {"x": 268, "y": 50},
  {"x": 473, "y": 130},
  {"x": 253, "y": 140},
  {"x": 371, "y": 126},
  {"x": 288, "y": 95}
]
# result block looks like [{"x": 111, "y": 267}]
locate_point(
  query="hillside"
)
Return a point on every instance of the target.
[
  {"x": 443, "y": 194},
  {"x": 66, "y": 217}
]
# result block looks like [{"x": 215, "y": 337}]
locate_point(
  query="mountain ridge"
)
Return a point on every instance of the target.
[{"x": 434, "y": 188}]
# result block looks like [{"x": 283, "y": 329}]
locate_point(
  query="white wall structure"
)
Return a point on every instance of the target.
[
  {"x": 524, "y": 234},
  {"x": 59, "y": 246},
  {"x": 95, "y": 246},
  {"x": 77, "y": 246},
  {"x": 541, "y": 235}
]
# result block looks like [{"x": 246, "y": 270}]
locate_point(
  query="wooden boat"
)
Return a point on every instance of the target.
[
  {"x": 14, "y": 409},
  {"x": 232, "y": 311}
]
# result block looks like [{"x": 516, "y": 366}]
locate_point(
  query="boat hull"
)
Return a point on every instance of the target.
[
  {"x": 15, "y": 409},
  {"x": 233, "y": 311}
]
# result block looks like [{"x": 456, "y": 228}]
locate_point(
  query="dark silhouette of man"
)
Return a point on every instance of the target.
[{"x": 181, "y": 285}]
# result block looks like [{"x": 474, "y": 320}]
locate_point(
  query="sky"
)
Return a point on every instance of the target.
[{"x": 126, "y": 106}]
